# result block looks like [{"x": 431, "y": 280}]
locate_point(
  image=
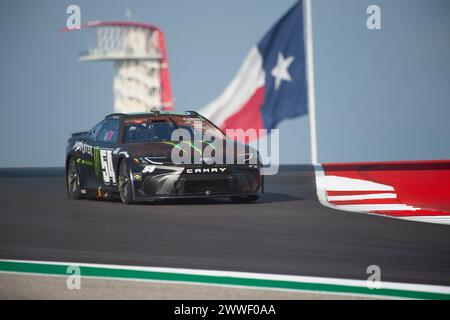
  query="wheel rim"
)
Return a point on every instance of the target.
[
  {"x": 73, "y": 180},
  {"x": 124, "y": 180}
]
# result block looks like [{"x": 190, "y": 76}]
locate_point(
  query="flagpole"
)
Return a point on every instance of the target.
[{"x": 310, "y": 79}]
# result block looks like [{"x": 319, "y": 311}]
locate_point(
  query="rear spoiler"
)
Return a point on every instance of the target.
[{"x": 79, "y": 134}]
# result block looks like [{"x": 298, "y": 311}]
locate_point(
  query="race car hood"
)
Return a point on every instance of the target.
[{"x": 163, "y": 149}]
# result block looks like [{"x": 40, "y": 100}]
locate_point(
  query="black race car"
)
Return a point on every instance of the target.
[{"x": 135, "y": 157}]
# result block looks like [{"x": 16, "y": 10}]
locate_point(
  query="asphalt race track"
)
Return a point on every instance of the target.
[{"x": 288, "y": 232}]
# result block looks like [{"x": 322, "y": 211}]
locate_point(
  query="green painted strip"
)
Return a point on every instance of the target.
[
  {"x": 192, "y": 146},
  {"x": 97, "y": 161},
  {"x": 210, "y": 144},
  {"x": 52, "y": 269},
  {"x": 174, "y": 144}
]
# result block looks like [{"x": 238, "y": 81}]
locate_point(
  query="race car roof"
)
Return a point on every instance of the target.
[{"x": 152, "y": 113}]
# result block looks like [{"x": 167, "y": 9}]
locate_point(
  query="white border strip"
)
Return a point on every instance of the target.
[
  {"x": 377, "y": 207},
  {"x": 430, "y": 219},
  {"x": 363, "y": 197}
]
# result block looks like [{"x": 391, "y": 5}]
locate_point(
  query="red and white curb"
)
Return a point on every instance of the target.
[{"x": 361, "y": 189}]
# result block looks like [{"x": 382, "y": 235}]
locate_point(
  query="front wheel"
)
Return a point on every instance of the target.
[
  {"x": 244, "y": 199},
  {"x": 125, "y": 187},
  {"x": 73, "y": 180}
]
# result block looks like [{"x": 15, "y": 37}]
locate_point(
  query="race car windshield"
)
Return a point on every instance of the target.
[{"x": 149, "y": 130}]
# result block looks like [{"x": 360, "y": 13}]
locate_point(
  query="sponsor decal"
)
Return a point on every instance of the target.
[
  {"x": 107, "y": 166},
  {"x": 96, "y": 158},
  {"x": 82, "y": 147},
  {"x": 103, "y": 165},
  {"x": 206, "y": 170},
  {"x": 85, "y": 162},
  {"x": 192, "y": 119},
  {"x": 149, "y": 169}
]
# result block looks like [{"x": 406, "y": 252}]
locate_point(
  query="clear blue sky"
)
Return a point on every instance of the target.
[{"x": 381, "y": 95}]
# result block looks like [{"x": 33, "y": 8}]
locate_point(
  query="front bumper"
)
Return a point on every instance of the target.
[{"x": 170, "y": 182}]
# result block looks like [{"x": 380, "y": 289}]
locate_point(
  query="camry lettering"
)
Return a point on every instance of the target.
[{"x": 206, "y": 170}]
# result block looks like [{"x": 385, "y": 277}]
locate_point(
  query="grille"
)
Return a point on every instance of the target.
[{"x": 200, "y": 186}]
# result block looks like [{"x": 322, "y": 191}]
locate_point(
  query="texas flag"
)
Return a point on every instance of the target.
[{"x": 271, "y": 84}]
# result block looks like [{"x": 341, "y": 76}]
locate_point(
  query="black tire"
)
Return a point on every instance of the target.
[
  {"x": 244, "y": 199},
  {"x": 73, "y": 180},
  {"x": 125, "y": 187}
]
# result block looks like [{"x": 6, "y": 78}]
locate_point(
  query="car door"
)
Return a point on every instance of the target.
[
  {"x": 104, "y": 145},
  {"x": 85, "y": 148}
]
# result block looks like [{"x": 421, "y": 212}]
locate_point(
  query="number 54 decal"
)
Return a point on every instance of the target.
[{"x": 107, "y": 166}]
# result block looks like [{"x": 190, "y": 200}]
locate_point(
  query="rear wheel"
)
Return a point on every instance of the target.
[
  {"x": 125, "y": 188},
  {"x": 244, "y": 199},
  {"x": 73, "y": 180}
]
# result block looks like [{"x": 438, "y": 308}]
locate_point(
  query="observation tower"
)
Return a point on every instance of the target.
[{"x": 139, "y": 53}]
